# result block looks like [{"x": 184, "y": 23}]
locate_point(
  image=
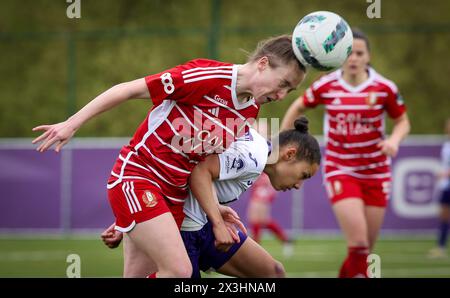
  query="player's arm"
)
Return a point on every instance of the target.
[
  {"x": 61, "y": 133},
  {"x": 399, "y": 132},
  {"x": 201, "y": 185},
  {"x": 295, "y": 110}
]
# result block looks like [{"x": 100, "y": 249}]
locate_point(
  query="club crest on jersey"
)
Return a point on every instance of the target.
[
  {"x": 337, "y": 186},
  {"x": 371, "y": 99},
  {"x": 238, "y": 164},
  {"x": 149, "y": 199},
  {"x": 234, "y": 164}
]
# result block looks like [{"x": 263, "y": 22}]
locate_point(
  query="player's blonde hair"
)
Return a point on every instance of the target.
[{"x": 279, "y": 51}]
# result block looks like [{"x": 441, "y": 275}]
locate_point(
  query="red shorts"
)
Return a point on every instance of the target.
[
  {"x": 136, "y": 201},
  {"x": 372, "y": 192}
]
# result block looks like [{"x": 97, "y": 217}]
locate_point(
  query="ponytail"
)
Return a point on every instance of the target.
[{"x": 308, "y": 147}]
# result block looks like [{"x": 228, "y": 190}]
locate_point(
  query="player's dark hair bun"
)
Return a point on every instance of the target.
[
  {"x": 301, "y": 124},
  {"x": 307, "y": 145}
]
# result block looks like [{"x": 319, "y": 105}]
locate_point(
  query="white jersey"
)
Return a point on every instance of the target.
[
  {"x": 240, "y": 165},
  {"x": 445, "y": 157}
]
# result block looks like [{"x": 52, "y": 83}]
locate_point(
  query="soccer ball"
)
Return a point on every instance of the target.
[{"x": 322, "y": 40}]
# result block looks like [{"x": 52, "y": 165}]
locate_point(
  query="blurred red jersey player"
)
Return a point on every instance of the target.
[
  {"x": 358, "y": 155},
  {"x": 262, "y": 195}
]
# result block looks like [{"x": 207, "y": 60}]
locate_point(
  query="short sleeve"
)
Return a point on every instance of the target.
[
  {"x": 395, "y": 106},
  {"x": 167, "y": 85},
  {"x": 233, "y": 164},
  {"x": 241, "y": 161},
  {"x": 311, "y": 98},
  {"x": 171, "y": 83}
]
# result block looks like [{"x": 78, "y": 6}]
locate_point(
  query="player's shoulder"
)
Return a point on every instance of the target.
[
  {"x": 207, "y": 63},
  {"x": 197, "y": 72},
  {"x": 256, "y": 150},
  {"x": 381, "y": 80},
  {"x": 326, "y": 80},
  {"x": 252, "y": 150}
]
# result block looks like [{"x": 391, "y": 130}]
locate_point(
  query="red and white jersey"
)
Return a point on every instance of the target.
[
  {"x": 262, "y": 190},
  {"x": 195, "y": 113},
  {"x": 354, "y": 123}
]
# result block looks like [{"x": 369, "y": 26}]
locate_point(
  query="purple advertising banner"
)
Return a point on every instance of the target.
[{"x": 67, "y": 191}]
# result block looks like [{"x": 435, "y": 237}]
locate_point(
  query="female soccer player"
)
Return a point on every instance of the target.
[
  {"x": 444, "y": 214},
  {"x": 357, "y": 164},
  {"x": 225, "y": 177},
  {"x": 198, "y": 108},
  {"x": 262, "y": 195}
]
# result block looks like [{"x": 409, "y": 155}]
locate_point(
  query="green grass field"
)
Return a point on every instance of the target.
[{"x": 313, "y": 257}]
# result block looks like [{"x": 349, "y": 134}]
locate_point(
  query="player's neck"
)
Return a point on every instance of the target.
[
  {"x": 357, "y": 79},
  {"x": 243, "y": 93},
  {"x": 271, "y": 161}
]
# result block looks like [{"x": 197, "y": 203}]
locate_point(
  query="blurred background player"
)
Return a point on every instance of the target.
[
  {"x": 357, "y": 163},
  {"x": 227, "y": 175},
  {"x": 262, "y": 195},
  {"x": 149, "y": 181},
  {"x": 444, "y": 211},
  {"x": 259, "y": 215}
]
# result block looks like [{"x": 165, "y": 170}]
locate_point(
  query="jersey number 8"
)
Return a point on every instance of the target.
[{"x": 166, "y": 80}]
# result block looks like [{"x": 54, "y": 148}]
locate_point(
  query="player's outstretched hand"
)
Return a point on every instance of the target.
[
  {"x": 111, "y": 237},
  {"x": 58, "y": 134}
]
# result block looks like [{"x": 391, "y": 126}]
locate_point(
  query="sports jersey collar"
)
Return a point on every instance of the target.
[
  {"x": 361, "y": 86},
  {"x": 237, "y": 104}
]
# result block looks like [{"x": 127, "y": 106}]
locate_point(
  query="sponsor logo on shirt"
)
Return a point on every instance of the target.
[{"x": 221, "y": 100}]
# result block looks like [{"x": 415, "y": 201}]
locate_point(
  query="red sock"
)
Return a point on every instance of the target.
[
  {"x": 256, "y": 232},
  {"x": 277, "y": 230},
  {"x": 153, "y": 275},
  {"x": 356, "y": 261},
  {"x": 343, "y": 270}
]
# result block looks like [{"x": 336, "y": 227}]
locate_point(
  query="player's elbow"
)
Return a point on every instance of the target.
[
  {"x": 407, "y": 124},
  {"x": 279, "y": 269},
  {"x": 132, "y": 89}
]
